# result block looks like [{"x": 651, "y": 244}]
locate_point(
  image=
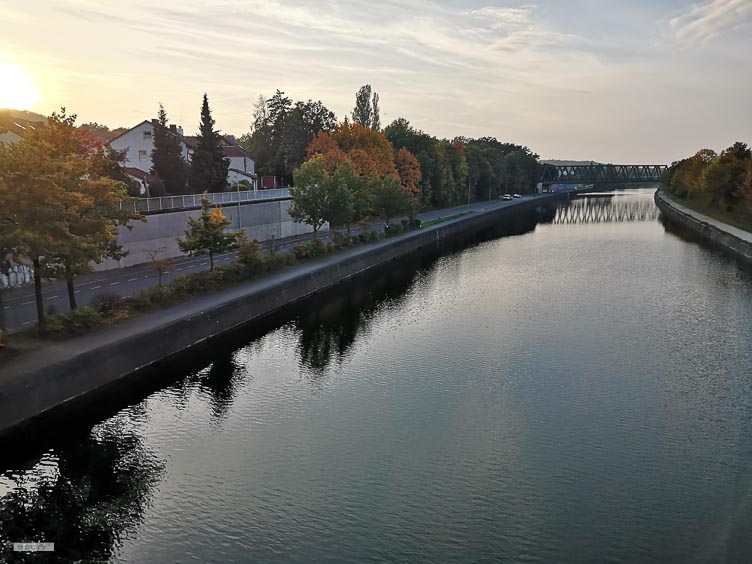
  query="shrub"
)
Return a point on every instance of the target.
[
  {"x": 78, "y": 321},
  {"x": 340, "y": 240},
  {"x": 278, "y": 262},
  {"x": 196, "y": 283},
  {"x": 106, "y": 303},
  {"x": 148, "y": 297},
  {"x": 414, "y": 223},
  {"x": 393, "y": 229},
  {"x": 250, "y": 257},
  {"x": 318, "y": 248},
  {"x": 301, "y": 251}
]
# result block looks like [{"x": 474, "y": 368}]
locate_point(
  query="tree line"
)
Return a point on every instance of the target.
[{"x": 723, "y": 180}]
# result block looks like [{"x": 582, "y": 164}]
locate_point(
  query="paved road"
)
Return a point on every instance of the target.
[{"x": 20, "y": 306}]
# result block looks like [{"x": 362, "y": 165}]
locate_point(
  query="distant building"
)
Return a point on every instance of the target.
[
  {"x": 138, "y": 143},
  {"x": 14, "y": 125}
]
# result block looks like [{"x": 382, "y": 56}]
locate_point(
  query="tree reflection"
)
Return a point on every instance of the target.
[
  {"x": 220, "y": 384},
  {"x": 99, "y": 495},
  {"x": 329, "y": 327}
]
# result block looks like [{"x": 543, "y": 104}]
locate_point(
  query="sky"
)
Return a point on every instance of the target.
[{"x": 638, "y": 81}]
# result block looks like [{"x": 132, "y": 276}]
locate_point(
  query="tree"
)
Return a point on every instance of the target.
[
  {"x": 724, "y": 176},
  {"x": 206, "y": 233},
  {"x": 78, "y": 222},
  {"x": 161, "y": 265},
  {"x": 340, "y": 206},
  {"x": 167, "y": 157},
  {"x": 375, "y": 117},
  {"x": 362, "y": 113},
  {"x": 209, "y": 166},
  {"x": 8, "y": 244},
  {"x": 309, "y": 195},
  {"x": 366, "y": 110},
  {"x": 408, "y": 169},
  {"x": 392, "y": 199}
]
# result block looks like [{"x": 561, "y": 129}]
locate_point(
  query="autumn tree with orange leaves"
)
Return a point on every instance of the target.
[{"x": 408, "y": 169}]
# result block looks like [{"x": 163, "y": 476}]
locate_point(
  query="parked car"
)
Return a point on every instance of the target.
[
  {"x": 506, "y": 197},
  {"x": 516, "y": 196}
]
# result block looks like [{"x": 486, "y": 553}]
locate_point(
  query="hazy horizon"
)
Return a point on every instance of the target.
[{"x": 586, "y": 81}]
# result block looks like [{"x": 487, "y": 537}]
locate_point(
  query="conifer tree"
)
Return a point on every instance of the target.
[
  {"x": 208, "y": 163},
  {"x": 167, "y": 157}
]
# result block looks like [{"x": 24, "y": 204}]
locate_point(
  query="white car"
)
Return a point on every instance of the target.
[
  {"x": 506, "y": 197},
  {"x": 516, "y": 196}
]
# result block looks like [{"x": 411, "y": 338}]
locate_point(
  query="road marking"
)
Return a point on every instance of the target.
[
  {"x": 192, "y": 266},
  {"x": 228, "y": 258},
  {"x": 26, "y": 322},
  {"x": 146, "y": 277},
  {"x": 132, "y": 279},
  {"x": 51, "y": 297},
  {"x": 204, "y": 263},
  {"x": 92, "y": 282},
  {"x": 96, "y": 287},
  {"x": 178, "y": 269},
  {"x": 27, "y": 303},
  {"x": 6, "y": 307},
  {"x": 114, "y": 283},
  {"x": 77, "y": 292}
]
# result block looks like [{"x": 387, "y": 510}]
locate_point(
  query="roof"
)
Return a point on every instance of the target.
[
  {"x": 190, "y": 141},
  {"x": 139, "y": 174},
  {"x": 232, "y": 150},
  {"x": 17, "y": 125},
  {"x": 243, "y": 172}
]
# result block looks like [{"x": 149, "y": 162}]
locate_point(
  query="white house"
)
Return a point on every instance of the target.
[{"x": 138, "y": 142}]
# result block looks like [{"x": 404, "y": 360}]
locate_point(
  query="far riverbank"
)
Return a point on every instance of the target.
[{"x": 727, "y": 237}]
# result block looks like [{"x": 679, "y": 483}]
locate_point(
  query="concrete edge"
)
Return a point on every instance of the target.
[{"x": 710, "y": 233}]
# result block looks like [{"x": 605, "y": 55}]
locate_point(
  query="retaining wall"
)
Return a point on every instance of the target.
[
  {"x": 27, "y": 393},
  {"x": 259, "y": 220},
  {"x": 712, "y": 234}
]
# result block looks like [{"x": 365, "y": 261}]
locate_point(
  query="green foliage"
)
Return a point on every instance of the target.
[
  {"x": 208, "y": 172},
  {"x": 392, "y": 199},
  {"x": 724, "y": 179},
  {"x": 251, "y": 259},
  {"x": 310, "y": 194},
  {"x": 366, "y": 110},
  {"x": 206, "y": 233},
  {"x": 281, "y": 132},
  {"x": 106, "y": 303},
  {"x": 168, "y": 163},
  {"x": 309, "y": 250},
  {"x": 76, "y": 322}
]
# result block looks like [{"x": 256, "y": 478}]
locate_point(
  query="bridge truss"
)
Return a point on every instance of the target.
[{"x": 602, "y": 174}]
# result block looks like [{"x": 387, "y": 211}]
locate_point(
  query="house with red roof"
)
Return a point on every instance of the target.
[{"x": 138, "y": 143}]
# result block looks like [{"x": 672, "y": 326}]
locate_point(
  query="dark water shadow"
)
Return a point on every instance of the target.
[{"x": 97, "y": 496}]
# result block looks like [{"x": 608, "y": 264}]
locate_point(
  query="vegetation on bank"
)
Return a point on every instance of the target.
[
  {"x": 718, "y": 185},
  {"x": 251, "y": 264}
]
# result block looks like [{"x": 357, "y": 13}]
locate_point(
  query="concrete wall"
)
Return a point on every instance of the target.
[
  {"x": 260, "y": 221},
  {"x": 710, "y": 233},
  {"x": 80, "y": 370}
]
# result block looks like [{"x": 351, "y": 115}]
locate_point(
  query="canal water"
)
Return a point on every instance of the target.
[{"x": 580, "y": 392}]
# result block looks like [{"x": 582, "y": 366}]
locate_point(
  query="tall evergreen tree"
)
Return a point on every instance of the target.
[
  {"x": 208, "y": 163},
  {"x": 167, "y": 158}
]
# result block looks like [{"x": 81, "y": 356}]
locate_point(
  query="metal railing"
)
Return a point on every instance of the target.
[{"x": 193, "y": 201}]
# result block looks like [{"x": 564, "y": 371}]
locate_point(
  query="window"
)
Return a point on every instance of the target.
[
  {"x": 147, "y": 135},
  {"x": 142, "y": 156}
]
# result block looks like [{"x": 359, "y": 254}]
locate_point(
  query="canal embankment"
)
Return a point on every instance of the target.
[
  {"x": 718, "y": 234},
  {"x": 39, "y": 382}
]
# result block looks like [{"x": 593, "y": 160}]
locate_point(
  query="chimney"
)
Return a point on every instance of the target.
[
  {"x": 173, "y": 128},
  {"x": 155, "y": 122},
  {"x": 180, "y": 130}
]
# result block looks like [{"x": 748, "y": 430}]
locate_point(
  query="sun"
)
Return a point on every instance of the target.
[{"x": 16, "y": 90}]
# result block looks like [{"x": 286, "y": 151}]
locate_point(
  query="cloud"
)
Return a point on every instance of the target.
[{"x": 707, "y": 20}]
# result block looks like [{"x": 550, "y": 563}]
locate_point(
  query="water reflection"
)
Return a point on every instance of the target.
[
  {"x": 94, "y": 499},
  {"x": 220, "y": 383},
  {"x": 606, "y": 208}
]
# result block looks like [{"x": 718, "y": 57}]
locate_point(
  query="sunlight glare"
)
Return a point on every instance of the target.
[{"x": 16, "y": 90}]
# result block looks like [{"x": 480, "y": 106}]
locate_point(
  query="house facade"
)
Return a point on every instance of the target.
[{"x": 138, "y": 144}]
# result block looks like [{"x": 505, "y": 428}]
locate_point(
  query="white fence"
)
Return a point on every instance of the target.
[{"x": 193, "y": 201}]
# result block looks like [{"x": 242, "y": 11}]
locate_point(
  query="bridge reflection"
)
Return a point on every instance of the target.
[{"x": 608, "y": 209}]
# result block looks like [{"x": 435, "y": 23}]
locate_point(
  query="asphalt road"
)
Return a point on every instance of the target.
[{"x": 20, "y": 306}]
